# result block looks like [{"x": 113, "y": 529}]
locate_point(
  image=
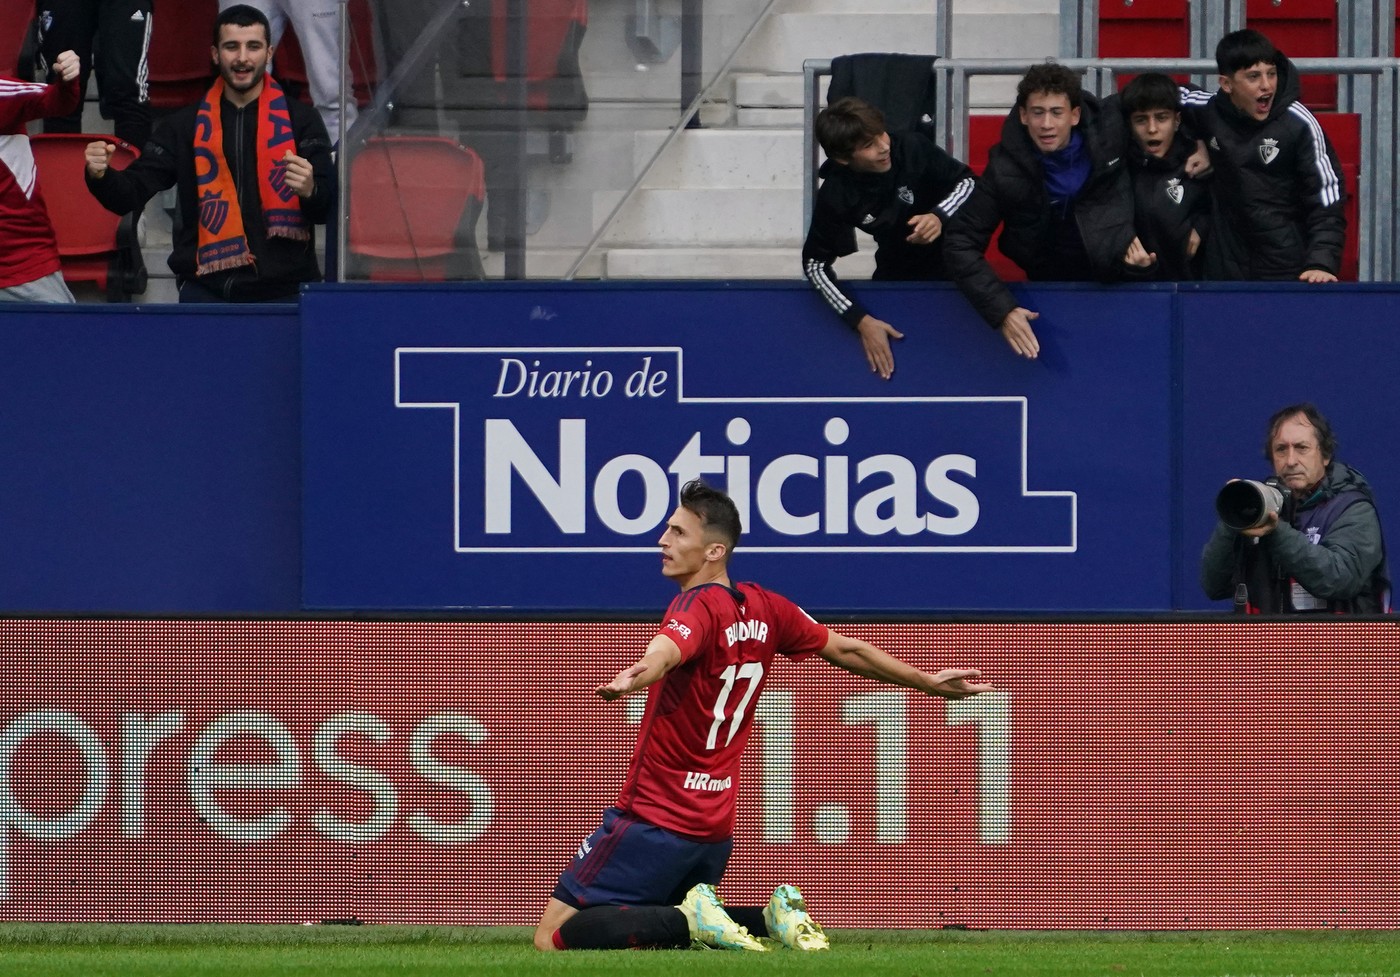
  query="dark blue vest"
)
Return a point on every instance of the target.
[{"x": 1270, "y": 589}]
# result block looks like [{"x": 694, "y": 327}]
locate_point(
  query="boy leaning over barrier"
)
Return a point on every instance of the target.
[{"x": 899, "y": 188}]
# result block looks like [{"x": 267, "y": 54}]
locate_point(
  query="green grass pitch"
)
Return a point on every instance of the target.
[{"x": 121, "y": 950}]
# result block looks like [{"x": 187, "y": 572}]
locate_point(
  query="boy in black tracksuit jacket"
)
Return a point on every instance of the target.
[
  {"x": 899, "y": 188},
  {"x": 120, "y": 33},
  {"x": 1171, "y": 210},
  {"x": 1278, "y": 189}
]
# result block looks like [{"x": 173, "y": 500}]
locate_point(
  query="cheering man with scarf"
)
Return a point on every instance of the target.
[{"x": 254, "y": 173}]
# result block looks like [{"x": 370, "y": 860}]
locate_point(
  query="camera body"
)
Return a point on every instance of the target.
[{"x": 1247, "y": 504}]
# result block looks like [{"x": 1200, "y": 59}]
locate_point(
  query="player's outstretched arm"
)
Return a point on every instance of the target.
[
  {"x": 863, "y": 658},
  {"x": 661, "y": 656}
]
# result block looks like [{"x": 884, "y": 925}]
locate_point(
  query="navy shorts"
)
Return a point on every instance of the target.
[{"x": 628, "y": 862}]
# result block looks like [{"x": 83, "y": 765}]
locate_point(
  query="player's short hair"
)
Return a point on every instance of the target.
[
  {"x": 1326, "y": 440},
  {"x": 1050, "y": 78},
  {"x": 1242, "y": 49},
  {"x": 717, "y": 511},
  {"x": 1149, "y": 92},
  {"x": 848, "y": 124},
  {"x": 242, "y": 15}
]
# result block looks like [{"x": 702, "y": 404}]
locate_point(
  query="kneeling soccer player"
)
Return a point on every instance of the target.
[{"x": 647, "y": 876}]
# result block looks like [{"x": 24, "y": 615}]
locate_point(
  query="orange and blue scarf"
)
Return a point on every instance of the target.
[{"x": 223, "y": 243}]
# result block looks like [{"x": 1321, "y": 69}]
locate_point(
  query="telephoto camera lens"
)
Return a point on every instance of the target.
[{"x": 1246, "y": 504}]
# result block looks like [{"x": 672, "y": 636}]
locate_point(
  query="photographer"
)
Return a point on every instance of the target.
[{"x": 1321, "y": 550}]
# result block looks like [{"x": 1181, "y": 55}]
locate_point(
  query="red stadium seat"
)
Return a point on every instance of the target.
[
  {"x": 1301, "y": 29},
  {"x": 553, "y": 35},
  {"x": 16, "y": 17},
  {"x": 984, "y": 132},
  {"x": 181, "y": 69},
  {"x": 1344, "y": 131},
  {"x": 1144, "y": 29},
  {"x": 414, "y": 205},
  {"x": 94, "y": 244}
]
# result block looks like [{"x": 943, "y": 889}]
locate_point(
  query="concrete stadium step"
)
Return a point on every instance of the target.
[
  {"x": 786, "y": 40},
  {"x": 764, "y": 91},
  {"x": 873, "y": 7},
  {"x": 722, "y": 263},
  {"x": 545, "y": 263},
  {"x": 768, "y": 118},
  {"x": 708, "y": 217},
  {"x": 769, "y": 101},
  {"x": 826, "y": 29},
  {"x": 722, "y": 159}
]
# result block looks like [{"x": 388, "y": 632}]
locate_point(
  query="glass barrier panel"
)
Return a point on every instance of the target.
[{"x": 502, "y": 135}]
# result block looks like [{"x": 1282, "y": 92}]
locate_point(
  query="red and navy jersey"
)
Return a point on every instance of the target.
[{"x": 684, "y": 774}]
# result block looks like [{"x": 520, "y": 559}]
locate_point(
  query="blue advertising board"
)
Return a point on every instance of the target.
[
  {"x": 150, "y": 459},
  {"x": 516, "y": 447},
  {"x": 1249, "y": 351},
  {"x": 521, "y": 447}
]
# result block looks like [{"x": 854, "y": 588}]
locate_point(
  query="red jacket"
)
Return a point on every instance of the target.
[{"x": 28, "y": 249}]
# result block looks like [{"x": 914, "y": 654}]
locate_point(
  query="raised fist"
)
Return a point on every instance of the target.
[{"x": 98, "y": 156}]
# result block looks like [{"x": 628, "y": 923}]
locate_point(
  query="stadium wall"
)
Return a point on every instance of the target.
[
  {"x": 399, "y": 449},
  {"x": 1173, "y": 774}
]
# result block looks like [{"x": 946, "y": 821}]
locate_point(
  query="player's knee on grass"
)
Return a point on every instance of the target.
[{"x": 624, "y": 928}]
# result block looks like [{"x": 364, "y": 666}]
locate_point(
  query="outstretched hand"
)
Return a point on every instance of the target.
[
  {"x": 625, "y": 681},
  {"x": 952, "y": 683},
  {"x": 1016, "y": 330},
  {"x": 875, "y": 336},
  {"x": 1316, "y": 276}
]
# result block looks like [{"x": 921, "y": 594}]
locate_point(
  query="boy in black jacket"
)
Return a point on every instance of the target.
[
  {"x": 1171, "y": 210},
  {"x": 1058, "y": 182},
  {"x": 899, "y": 188}
]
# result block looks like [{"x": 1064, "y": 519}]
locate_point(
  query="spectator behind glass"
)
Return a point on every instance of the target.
[
  {"x": 1323, "y": 551},
  {"x": 1172, "y": 211},
  {"x": 253, "y": 176},
  {"x": 461, "y": 84},
  {"x": 899, "y": 188},
  {"x": 1278, "y": 189},
  {"x": 120, "y": 32},
  {"x": 1058, "y": 182},
  {"x": 29, "y": 262},
  {"x": 317, "y": 26}
]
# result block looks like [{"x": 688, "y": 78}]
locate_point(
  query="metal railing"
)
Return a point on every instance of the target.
[{"x": 1369, "y": 83}]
